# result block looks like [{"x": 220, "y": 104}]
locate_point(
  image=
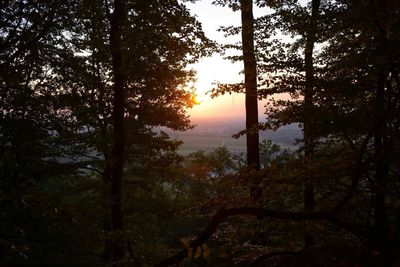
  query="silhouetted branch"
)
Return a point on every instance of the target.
[{"x": 260, "y": 213}]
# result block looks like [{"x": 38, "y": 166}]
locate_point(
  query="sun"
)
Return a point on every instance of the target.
[{"x": 200, "y": 98}]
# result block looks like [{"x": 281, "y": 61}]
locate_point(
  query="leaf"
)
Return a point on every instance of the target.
[
  {"x": 185, "y": 243},
  {"x": 190, "y": 253},
  {"x": 197, "y": 253},
  {"x": 206, "y": 251}
]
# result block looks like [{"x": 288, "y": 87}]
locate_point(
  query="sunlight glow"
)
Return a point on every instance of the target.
[
  {"x": 200, "y": 98},
  {"x": 216, "y": 68}
]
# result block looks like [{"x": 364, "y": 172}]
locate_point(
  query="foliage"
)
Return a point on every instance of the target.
[
  {"x": 355, "y": 98},
  {"x": 56, "y": 119},
  {"x": 56, "y": 134}
]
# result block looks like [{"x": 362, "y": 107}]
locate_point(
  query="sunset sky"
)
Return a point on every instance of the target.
[{"x": 216, "y": 68}]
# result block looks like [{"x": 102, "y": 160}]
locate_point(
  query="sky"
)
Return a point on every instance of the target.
[{"x": 216, "y": 68}]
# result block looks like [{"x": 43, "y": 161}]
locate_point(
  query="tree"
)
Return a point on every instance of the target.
[
  {"x": 250, "y": 80},
  {"x": 344, "y": 94},
  {"x": 250, "y": 84},
  {"x": 30, "y": 126},
  {"x": 84, "y": 53},
  {"x": 151, "y": 98},
  {"x": 351, "y": 109},
  {"x": 249, "y": 87},
  {"x": 118, "y": 146},
  {"x": 308, "y": 108}
]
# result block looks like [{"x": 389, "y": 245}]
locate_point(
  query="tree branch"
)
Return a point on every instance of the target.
[{"x": 223, "y": 214}]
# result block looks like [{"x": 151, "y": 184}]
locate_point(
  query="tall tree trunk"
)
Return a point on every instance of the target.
[
  {"x": 108, "y": 245},
  {"x": 380, "y": 215},
  {"x": 106, "y": 174},
  {"x": 308, "y": 112},
  {"x": 118, "y": 146},
  {"x": 250, "y": 80}
]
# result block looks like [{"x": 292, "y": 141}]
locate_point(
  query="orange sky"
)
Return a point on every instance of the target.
[
  {"x": 210, "y": 70},
  {"x": 216, "y": 68}
]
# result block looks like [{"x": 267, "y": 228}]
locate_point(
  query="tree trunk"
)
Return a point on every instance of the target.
[
  {"x": 250, "y": 80},
  {"x": 308, "y": 112},
  {"x": 118, "y": 146},
  {"x": 108, "y": 245},
  {"x": 380, "y": 215}
]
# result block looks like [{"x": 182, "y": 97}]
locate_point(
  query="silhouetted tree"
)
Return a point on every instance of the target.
[{"x": 308, "y": 108}]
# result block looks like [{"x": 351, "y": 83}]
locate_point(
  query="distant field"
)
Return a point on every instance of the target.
[
  {"x": 192, "y": 143},
  {"x": 207, "y": 143},
  {"x": 210, "y": 134}
]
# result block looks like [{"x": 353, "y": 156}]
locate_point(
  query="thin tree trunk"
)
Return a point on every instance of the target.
[
  {"x": 250, "y": 80},
  {"x": 108, "y": 245},
  {"x": 380, "y": 215},
  {"x": 106, "y": 174},
  {"x": 118, "y": 146},
  {"x": 381, "y": 145},
  {"x": 308, "y": 111}
]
